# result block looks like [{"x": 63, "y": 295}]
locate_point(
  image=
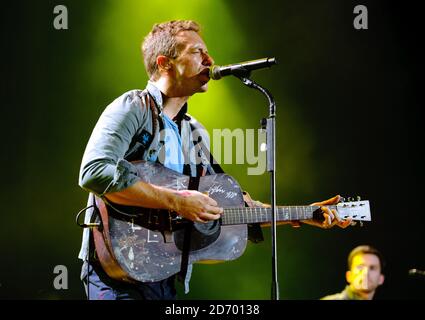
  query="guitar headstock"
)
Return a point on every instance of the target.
[{"x": 358, "y": 210}]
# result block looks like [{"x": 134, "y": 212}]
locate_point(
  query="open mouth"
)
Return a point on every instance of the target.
[{"x": 206, "y": 72}]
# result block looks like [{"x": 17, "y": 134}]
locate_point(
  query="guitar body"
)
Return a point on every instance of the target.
[{"x": 129, "y": 250}]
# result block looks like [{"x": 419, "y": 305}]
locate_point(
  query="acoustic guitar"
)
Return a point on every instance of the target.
[{"x": 135, "y": 243}]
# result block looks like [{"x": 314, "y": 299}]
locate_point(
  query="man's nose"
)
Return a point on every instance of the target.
[{"x": 208, "y": 61}]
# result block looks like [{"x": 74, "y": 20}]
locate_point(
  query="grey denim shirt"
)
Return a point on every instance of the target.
[{"x": 103, "y": 167}]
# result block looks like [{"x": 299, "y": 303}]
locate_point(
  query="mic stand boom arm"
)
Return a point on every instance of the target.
[{"x": 270, "y": 125}]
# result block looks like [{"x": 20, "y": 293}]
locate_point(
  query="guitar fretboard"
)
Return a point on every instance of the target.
[{"x": 259, "y": 215}]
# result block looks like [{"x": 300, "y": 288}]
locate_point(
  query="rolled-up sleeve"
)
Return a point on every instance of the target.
[{"x": 103, "y": 168}]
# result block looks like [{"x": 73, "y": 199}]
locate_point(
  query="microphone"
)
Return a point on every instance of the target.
[
  {"x": 217, "y": 72},
  {"x": 416, "y": 272}
]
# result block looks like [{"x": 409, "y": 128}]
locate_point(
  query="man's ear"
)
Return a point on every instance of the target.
[
  {"x": 348, "y": 276},
  {"x": 163, "y": 63},
  {"x": 381, "y": 279}
]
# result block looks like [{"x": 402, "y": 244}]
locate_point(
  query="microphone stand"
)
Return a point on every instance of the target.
[{"x": 270, "y": 125}]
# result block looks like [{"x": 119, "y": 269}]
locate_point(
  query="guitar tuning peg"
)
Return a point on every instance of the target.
[
  {"x": 350, "y": 199},
  {"x": 359, "y": 198},
  {"x": 342, "y": 199},
  {"x": 361, "y": 223}
]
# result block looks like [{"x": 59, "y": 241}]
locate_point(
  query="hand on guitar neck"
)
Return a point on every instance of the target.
[{"x": 330, "y": 217}]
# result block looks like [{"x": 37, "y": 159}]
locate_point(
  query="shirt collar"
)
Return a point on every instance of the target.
[
  {"x": 351, "y": 294},
  {"x": 155, "y": 93},
  {"x": 157, "y": 96}
]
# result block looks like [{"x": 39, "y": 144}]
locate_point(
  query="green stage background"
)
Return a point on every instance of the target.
[{"x": 349, "y": 114}]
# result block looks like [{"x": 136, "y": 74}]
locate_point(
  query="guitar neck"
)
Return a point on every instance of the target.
[
  {"x": 357, "y": 210},
  {"x": 260, "y": 215}
]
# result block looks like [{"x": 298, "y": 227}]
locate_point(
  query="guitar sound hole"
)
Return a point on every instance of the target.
[{"x": 201, "y": 235}]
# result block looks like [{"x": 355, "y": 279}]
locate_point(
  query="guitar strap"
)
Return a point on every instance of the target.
[
  {"x": 143, "y": 139},
  {"x": 193, "y": 185},
  {"x": 136, "y": 152},
  {"x": 93, "y": 223}
]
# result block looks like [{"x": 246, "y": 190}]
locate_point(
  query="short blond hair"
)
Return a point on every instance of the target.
[{"x": 162, "y": 41}]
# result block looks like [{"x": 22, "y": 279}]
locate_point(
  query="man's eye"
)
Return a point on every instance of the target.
[{"x": 199, "y": 51}]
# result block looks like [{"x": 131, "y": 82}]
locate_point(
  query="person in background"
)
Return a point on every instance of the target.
[{"x": 364, "y": 274}]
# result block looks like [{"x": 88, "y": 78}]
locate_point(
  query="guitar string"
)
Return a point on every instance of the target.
[
  {"x": 284, "y": 213},
  {"x": 246, "y": 215}
]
